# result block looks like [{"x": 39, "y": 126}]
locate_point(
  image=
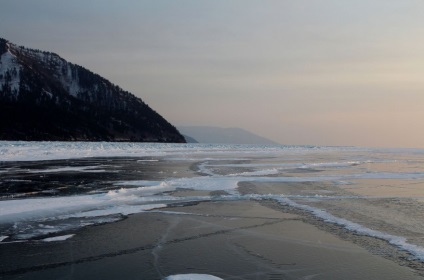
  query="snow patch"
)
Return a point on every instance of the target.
[
  {"x": 9, "y": 64},
  {"x": 70, "y": 81}
]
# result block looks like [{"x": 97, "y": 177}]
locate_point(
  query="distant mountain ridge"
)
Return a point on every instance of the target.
[
  {"x": 44, "y": 97},
  {"x": 220, "y": 135}
]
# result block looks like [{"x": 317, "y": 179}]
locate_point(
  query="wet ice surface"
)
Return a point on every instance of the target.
[{"x": 50, "y": 190}]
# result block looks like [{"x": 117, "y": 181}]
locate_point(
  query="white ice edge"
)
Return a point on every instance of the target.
[
  {"x": 122, "y": 209},
  {"x": 262, "y": 172},
  {"x": 192, "y": 277},
  {"x": 33, "y": 151},
  {"x": 177, "y": 213},
  {"x": 20, "y": 210},
  {"x": 88, "y": 169},
  {"x": 298, "y": 165},
  {"x": 230, "y": 183},
  {"x": 16, "y": 241},
  {"x": 400, "y": 242},
  {"x": 58, "y": 238}
]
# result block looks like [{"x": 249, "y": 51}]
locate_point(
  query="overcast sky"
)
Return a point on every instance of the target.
[{"x": 321, "y": 72}]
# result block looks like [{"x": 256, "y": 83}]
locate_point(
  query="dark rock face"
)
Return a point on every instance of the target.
[{"x": 44, "y": 97}]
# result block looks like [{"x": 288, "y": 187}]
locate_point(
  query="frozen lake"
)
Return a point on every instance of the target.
[{"x": 50, "y": 191}]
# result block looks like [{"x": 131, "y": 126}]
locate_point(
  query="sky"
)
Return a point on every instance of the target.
[{"x": 302, "y": 72}]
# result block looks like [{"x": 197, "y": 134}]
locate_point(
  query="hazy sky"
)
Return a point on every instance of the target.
[{"x": 323, "y": 72}]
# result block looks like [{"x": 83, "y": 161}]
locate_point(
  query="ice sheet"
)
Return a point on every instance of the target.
[{"x": 222, "y": 168}]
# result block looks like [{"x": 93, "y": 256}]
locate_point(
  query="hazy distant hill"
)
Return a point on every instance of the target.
[
  {"x": 219, "y": 135},
  {"x": 44, "y": 97}
]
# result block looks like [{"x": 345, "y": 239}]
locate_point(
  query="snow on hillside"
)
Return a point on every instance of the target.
[
  {"x": 10, "y": 66},
  {"x": 9, "y": 71}
]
